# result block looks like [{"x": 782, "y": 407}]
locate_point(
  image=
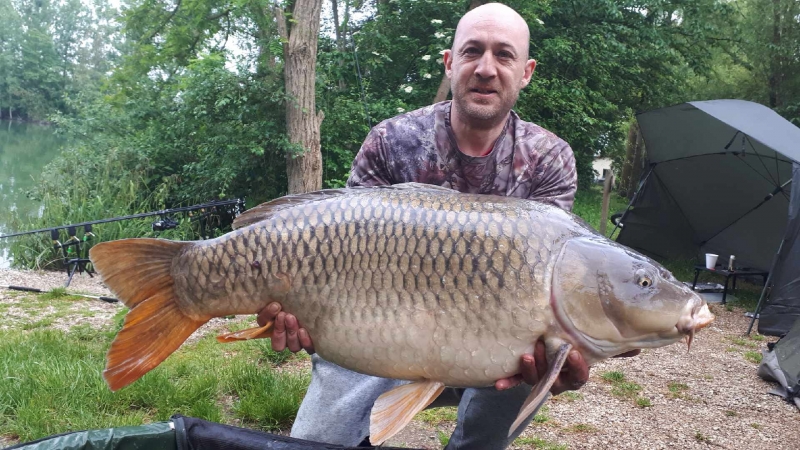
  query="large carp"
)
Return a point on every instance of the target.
[{"x": 412, "y": 282}]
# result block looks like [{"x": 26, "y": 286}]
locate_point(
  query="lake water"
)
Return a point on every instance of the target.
[{"x": 24, "y": 150}]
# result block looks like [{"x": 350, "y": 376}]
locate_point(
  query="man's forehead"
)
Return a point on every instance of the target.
[{"x": 501, "y": 26}]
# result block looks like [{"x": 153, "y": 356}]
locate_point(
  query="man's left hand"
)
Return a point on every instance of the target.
[{"x": 533, "y": 368}]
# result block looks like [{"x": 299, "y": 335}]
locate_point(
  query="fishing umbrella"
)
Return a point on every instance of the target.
[{"x": 718, "y": 182}]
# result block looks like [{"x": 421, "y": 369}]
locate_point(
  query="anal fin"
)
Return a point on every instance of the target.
[
  {"x": 394, "y": 409},
  {"x": 539, "y": 392},
  {"x": 250, "y": 333}
]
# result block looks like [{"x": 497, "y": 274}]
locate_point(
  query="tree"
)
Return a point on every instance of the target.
[{"x": 304, "y": 167}]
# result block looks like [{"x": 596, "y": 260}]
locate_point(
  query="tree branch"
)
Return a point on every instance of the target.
[{"x": 283, "y": 31}]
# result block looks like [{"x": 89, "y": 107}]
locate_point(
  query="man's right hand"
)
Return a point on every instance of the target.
[{"x": 286, "y": 332}]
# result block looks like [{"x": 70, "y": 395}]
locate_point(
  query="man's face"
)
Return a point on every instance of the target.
[{"x": 487, "y": 67}]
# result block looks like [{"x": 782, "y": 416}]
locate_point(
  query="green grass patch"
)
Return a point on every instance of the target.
[
  {"x": 643, "y": 402},
  {"x": 541, "y": 415},
  {"x": 436, "y": 416},
  {"x": 52, "y": 383},
  {"x": 625, "y": 389},
  {"x": 753, "y": 357},
  {"x": 757, "y": 337},
  {"x": 731, "y": 349},
  {"x": 743, "y": 343},
  {"x": 678, "y": 390},
  {"x": 568, "y": 396},
  {"x": 700, "y": 437},
  {"x": 619, "y": 386},
  {"x": 55, "y": 293},
  {"x": 443, "y": 437},
  {"x": 613, "y": 377},
  {"x": 583, "y": 428},
  {"x": 588, "y": 204},
  {"x": 756, "y": 426},
  {"x": 730, "y": 413},
  {"x": 539, "y": 443},
  {"x": 43, "y": 323}
]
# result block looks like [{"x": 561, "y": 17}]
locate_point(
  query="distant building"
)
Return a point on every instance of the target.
[{"x": 600, "y": 164}]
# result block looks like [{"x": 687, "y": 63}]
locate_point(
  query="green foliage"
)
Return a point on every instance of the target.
[{"x": 157, "y": 93}]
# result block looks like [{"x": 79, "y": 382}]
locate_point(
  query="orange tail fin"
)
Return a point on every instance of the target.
[{"x": 138, "y": 271}]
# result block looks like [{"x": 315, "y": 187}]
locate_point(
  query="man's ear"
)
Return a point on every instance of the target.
[
  {"x": 530, "y": 66},
  {"x": 447, "y": 57}
]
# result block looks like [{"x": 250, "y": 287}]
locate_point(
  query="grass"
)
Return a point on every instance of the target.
[
  {"x": 568, "y": 396},
  {"x": 613, "y": 376},
  {"x": 541, "y": 415},
  {"x": 730, "y": 413},
  {"x": 437, "y": 416},
  {"x": 700, "y": 437},
  {"x": 443, "y": 437},
  {"x": 678, "y": 390},
  {"x": 643, "y": 402},
  {"x": 52, "y": 383},
  {"x": 583, "y": 428},
  {"x": 539, "y": 443},
  {"x": 588, "y": 204},
  {"x": 753, "y": 357}
]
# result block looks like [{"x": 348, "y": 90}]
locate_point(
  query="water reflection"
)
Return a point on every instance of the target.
[{"x": 24, "y": 150}]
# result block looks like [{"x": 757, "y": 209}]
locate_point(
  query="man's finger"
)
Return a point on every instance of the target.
[
  {"x": 577, "y": 373},
  {"x": 267, "y": 314},
  {"x": 279, "y": 333},
  {"x": 292, "y": 340},
  {"x": 508, "y": 383},
  {"x": 305, "y": 341},
  {"x": 529, "y": 369},
  {"x": 540, "y": 356}
]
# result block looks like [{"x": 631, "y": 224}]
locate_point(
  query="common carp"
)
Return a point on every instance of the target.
[{"x": 411, "y": 281}]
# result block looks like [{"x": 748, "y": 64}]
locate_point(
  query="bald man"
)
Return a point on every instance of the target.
[{"x": 474, "y": 143}]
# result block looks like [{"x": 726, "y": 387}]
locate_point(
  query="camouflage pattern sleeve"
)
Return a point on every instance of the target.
[
  {"x": 558, "y": 179},
  {"x": 370, "y": 166}
]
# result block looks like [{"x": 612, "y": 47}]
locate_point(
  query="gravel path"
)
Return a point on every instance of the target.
[{"x": 709, "y": 397}]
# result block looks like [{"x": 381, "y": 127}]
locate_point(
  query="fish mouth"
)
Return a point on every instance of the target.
[{"x": 700, "y": 318}]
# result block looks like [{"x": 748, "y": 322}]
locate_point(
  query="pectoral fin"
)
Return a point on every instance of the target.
[
  {"x": 250, "y": 333},
  {"x": 394, "y": 409},
  {"x": 539, "y": 392}
]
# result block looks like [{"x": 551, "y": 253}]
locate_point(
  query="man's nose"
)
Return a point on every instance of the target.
[{"x": 487, "y": 66}]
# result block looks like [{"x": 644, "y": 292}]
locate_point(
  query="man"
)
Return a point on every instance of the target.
[{"x": 476, "y": 144}]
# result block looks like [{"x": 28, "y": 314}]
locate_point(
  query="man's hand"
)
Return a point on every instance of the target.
[
  {"x": 286, "y": 333},
  {"x": 573, "y": 376}
]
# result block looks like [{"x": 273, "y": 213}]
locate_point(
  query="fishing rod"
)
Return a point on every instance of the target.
[
  {"x": 39, "y": 291},
  {"x": 237, "y": 203}
]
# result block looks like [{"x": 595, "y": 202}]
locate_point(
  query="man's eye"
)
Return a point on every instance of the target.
[{"x": 471, "y": 51}]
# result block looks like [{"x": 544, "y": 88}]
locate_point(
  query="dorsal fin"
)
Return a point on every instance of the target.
[{"x": 267, "y": 209}]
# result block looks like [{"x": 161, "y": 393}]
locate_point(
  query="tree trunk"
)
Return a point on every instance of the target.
[
  {"x": 340, "y": 42},
  {"x": 444, "y": 86},
  {"x": 638, "y": 161},
  {"x": 775, "y": 63},
  {"x": 627, "y": 164},
  {"x": 303, "y": 167}
]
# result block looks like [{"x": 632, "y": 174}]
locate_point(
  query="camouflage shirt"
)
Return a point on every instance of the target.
[{"x": 526, "y": 161}]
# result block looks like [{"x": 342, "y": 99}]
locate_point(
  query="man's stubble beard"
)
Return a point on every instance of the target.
[{"x": 482, "y": 115}]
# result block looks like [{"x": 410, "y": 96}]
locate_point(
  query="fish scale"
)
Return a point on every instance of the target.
[{"x": 411, "y": 282}]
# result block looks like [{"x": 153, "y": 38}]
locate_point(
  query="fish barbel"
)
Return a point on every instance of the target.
[{"x": 412, "y": 282}]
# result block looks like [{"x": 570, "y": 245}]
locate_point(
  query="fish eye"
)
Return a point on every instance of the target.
[{"x": 643, "y": 279}]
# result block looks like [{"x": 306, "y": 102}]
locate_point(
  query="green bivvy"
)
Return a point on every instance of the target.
[{"x": 179, "y": 433}]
